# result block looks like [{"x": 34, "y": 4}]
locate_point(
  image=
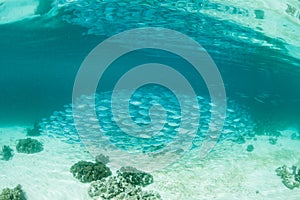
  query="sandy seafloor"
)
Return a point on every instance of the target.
[{"x": 229, "y": 172}]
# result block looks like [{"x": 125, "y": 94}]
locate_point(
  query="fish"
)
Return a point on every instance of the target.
[{"x": 138, "y": 132}]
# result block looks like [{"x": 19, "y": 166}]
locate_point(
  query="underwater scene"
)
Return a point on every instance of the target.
[{"x": 149, "y": 99}]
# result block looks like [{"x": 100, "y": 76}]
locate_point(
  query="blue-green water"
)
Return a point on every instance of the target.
[
  {"x": 41, "y": 56},
  {"x": 256, "y": 49}
]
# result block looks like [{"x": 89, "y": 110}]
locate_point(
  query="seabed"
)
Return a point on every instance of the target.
[{"x": 228, "y": 172}]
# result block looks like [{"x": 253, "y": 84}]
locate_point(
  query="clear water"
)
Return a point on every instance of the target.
[
  {"x": 40, "y": 54},
  {"x": 255, "y": 46}
]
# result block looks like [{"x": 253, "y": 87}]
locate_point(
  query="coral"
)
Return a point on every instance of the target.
[
  {"x": 113, "y": 187},
  {"x": 29, "y": 146},
  {"x": 126, "y": 185},
  {"x": 88, "y": 171},
  {"x": 7, "y": 153},
  {"x": 35, "y": 131},
  {"x": 250, "y": 148},
  {"x": 273, "y": 140},
  {"x": 13, "y": 194},
  {"x": 102, "y": 159},
  {"x": 117, "y": 187},
  {"x": 135, "y": 177},
  {"x": 240, "y": 139},
  {"x": 290, "y": 176},
  {"x": 149, "y": 195},
  {"x": 296, "y": 135}
]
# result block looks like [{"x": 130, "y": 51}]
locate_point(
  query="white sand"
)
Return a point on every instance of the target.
[
  {"x": 44, "y": 175},
  {"x": 229, "y": 172}
]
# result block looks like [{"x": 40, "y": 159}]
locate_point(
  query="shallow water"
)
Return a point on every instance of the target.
[
  {"x": 40, "y": 56},
  {"x": 255, "y": 47}
]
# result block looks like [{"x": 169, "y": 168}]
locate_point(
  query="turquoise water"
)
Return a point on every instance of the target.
[
  {"x": 255, "y": 46},
  {"x": 40, "y": 56}
]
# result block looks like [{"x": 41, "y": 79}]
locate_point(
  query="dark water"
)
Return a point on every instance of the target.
[{"x": 39, "y": 58}]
